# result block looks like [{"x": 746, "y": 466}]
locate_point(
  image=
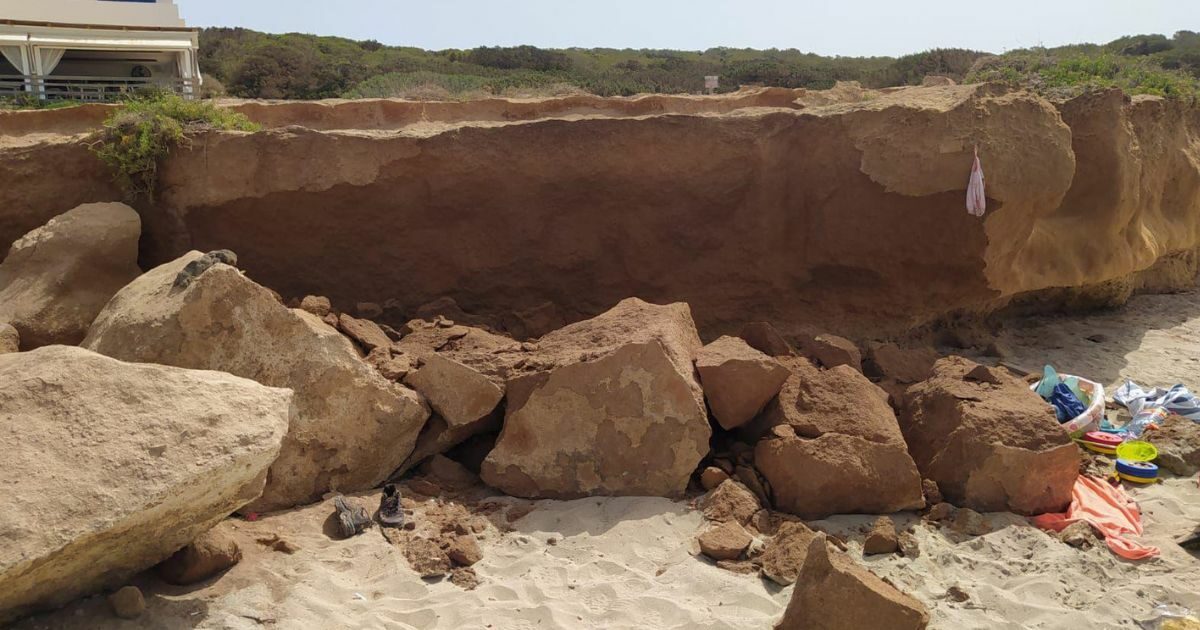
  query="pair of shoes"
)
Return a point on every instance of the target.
[
  {"x": 352, "y": 520},
  {"x": 390, "y": 511}
]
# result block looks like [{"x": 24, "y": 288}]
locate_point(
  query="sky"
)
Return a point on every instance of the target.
[{"x": 845, "y": 27}]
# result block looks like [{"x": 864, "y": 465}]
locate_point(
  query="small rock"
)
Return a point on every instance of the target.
[
  {"x": 731, "y": 501},
  {"x": 933, "y": 495},
  {"x": 744, "y": 567},
  {"x": 212, "y": 552},
  {"x": 784, "y": 554},
  {"x": 763, "y": 337},
  {"x": 127, "y": 603},
  {"x": 726, "y": 541},
  {"x": 426, "y": 558},
  {"x": 464, "y": 578},
  {"x": 1078, "y": 535},
  {"x": 882, "y": 538},
  {"x": 969, "y": 522},
  {"x": 982, "y": 374},
  {"x": 331, "y": 320},
  {"x": 940, "y": 512},
  {"x": 464, "y": 551},
  {"x": 10, "y": 339},
  {"x": 831, "y": 351},
  {"x": 368, "y": 310},
  {"x": 366, "y": 332},
  {"x": 552, "y": 541},
  {"x": 908, "y": 545},
  {"x": 317, "y": 305},
  {"x": 425, "y": 487},
  {"x": 755, "y": 483},
  {"x": 957, "y": 594},
  {"x": 1097, "y": 338},
  {"x": 712, "y": 477}
]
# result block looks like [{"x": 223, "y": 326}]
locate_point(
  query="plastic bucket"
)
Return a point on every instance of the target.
[{"x": 1090, "y": 419}]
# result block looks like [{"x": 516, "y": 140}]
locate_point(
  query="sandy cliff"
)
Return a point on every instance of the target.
[{"x": 844, "y": 208}]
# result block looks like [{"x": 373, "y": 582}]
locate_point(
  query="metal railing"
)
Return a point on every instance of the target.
[{"x": 88, "y": 89}]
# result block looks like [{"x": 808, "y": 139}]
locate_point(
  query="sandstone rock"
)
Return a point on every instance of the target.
[
  {"x": 127, "y": 602},
  {"x": 933, "y": 495},
  {"x": 712, "y": 477},
  {"x": 845, "y": 453},
  {"x": 989, "y": 447},
  {"x": 940, "y": 512},
  {"x": 497, "y": 357},
  {"x": 785, "y": 553},
  {"x": 425, "y": 557},
  {"x": 834, "y": 593},
  {"x": 350, "y": 428},
  {"x": 56, "y": 278},
  {"x": 616, "y": 390},
  {"x": 1079, "y": 535},
  {"x": 464, "y": 551},
  {"x": 969, "y": 522},
  {"x": 10, "y": 339},
  {"x": 209, "y": 554},
  {"x": 459, "y": 394},
  {"x": 882, "y": 537},
  {"x": 366, "y": 332},
  {"x": 830, "y": 351},
  {"x": 1178, "y": 442},
  {"x": 982, "y": 374},
  {"x": 754, "y": 482},
  {"x": 317, "y": 305},
  {"x": 738, "y": 380},
  {"x": 464, "y": 578},
  {"x": 725, "y": 541},
  {"x": 932, "y": 80},
  {"x": 111, "y": 467},
  {"x": 909, "y": 547},
  {"x": 731, "y": 501},
  {"x": 763, "y": 337},
  {"x": 903, "y": 365}
]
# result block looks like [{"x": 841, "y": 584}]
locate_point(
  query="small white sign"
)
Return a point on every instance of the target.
[{"x": 711, "y": 82}]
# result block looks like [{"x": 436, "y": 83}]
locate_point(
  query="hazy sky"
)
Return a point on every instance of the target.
[{"x": 845, "y": 27}]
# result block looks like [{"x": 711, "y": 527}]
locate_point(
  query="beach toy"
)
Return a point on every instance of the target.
[
  {"x": 1137, "y": 472},
  {"x": 1137, "y": 451},
  {"x": 1091, "y": 418},
  {"x": 1100, "y": 442}
]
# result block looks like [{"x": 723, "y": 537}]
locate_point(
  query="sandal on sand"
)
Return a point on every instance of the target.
[{"x": 351, "y": 519}]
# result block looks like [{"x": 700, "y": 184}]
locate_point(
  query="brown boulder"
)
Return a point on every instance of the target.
[
  {"x": 731, "y": 501},
  {"x": 211, "y": 553},
  {"x": 738, "y": 380},
  {"x": 882, "y": 537},
  {"x": 763, "y": 337},
  {"x": 830, "y": 351},
  {"x": 459, "y": 394},
  {"x": 784, "y": 554},
  {"x": 317, "y": 305},
  {"x": 902, "y": 365},
  {"x": 833, "y": 446},
  {"x": 464, "y": 551},
  {"x": 350, "y": 427},
  {"x": 990, "y": 447},
  {"x": 10, "y": 339},
  {"x": 725, "y": 541},
  {"x": 366, "y": 332},
  {"x": 127, "y": 602},
  {"x": 56, "y": 278},
  {"x": 615, "y": 409},
  {"x": 833, "y": 593},
  {"x": 712, "y": 477}
]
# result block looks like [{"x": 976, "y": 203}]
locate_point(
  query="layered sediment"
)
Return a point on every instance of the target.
[{"x": 842, "y": 209}]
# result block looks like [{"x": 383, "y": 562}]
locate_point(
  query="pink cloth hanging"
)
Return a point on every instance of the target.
[{"x": 976, "y": 201}]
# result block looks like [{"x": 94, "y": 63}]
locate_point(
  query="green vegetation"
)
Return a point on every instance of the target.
[
  {"x": 1143, "y": 64},
  {"x": 295, "y": 66},
  {"x": 24, "y": 101},
  {"x": 143, "y": 130}
]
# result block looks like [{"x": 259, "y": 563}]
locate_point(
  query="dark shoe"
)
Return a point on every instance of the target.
[
  {"x": 351, "y": 519},
  {"x": 391, "y": 513}
]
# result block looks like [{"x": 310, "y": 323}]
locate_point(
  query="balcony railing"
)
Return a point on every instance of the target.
[{"x": 90, "y": 89}]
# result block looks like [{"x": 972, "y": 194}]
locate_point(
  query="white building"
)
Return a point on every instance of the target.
[{"x": 94, "y": 49}]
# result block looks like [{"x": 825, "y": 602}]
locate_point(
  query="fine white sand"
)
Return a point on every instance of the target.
[{"x": 629, "y": 563}]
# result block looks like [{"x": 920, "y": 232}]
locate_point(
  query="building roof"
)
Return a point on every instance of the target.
[{"x": 137, "y": 14}]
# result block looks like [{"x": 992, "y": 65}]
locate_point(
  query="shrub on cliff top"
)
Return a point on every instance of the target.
[{"x": 143, "y": 130}]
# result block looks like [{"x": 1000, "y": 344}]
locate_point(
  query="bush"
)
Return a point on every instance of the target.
[{"x": 143, "y": 130}]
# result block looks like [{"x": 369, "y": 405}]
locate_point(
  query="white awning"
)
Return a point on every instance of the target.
[{"x": 110, "y": 43}]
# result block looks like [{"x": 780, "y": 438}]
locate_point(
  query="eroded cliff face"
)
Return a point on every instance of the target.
[{"x": 842, "y": 209}]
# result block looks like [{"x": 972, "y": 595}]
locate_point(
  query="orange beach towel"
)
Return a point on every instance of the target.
[{"x": 1109, "y": 511}]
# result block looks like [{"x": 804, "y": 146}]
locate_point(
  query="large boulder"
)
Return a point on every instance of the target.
[
  {"x": 738, "y": 380},
  {"x": 614, "y": 409},
  {"x": 58, "y": 277},
  {"x": 351, "y": 427},
  {"x": 110, "y": 467},
  {"x": 989, "y": 446},
  {"x": 833, "y": 446},
  {"x": 834, "y": 593}
]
